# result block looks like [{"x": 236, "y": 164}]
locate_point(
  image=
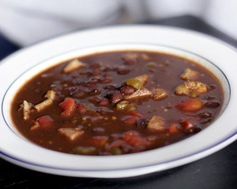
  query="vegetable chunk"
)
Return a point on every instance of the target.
[
  {"x": 50, "y": 95},
  {"x": 72, "y": 134},
  {"x": 159, "y": 94},
  {"x": 192, "y": 88},
  {"x": 43, "y": 123},
  {"x": 68, "y": 106},
  {"x": 73, "y": 65},
  {"x": 134, "y": 139},
  {"x": 139, "y": 94},
  {"x": 27, "y": 106},
  {"x": 191, "y": 105},
  {"x": 156, "y": 123},
  {"x": 138, "y": 82},
  {"x": 189, "y": 74}
]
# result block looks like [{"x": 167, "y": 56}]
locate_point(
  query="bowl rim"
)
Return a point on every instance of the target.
[{"x": 197, "y": 154}]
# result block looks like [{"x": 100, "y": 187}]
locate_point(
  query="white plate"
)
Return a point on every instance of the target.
[{"x": 210, "y": 52}]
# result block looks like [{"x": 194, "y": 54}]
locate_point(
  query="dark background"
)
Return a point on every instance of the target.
[{"x": 216, "y": 171}]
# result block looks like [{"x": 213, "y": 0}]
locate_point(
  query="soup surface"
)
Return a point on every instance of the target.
[{"x": 117, "y": 103}]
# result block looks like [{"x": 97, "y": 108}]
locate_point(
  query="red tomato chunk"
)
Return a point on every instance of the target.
[
  {"x": 134, "y": 139},
  {"x": 45, "y": 123},
  {"x": 68, "y": 106}
]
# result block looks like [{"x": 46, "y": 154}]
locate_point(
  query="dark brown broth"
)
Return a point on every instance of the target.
[{"x": 166, "y": 75}]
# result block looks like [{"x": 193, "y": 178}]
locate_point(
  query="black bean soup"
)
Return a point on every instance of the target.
[{"x": 117, "y": 103}]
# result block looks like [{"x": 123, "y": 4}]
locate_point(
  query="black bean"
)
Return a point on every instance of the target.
[
  {"x": 205, "y": 121},
  {"x": 116, "y": 136},
  {"x": 210, "y": 98},
  {"x": 94, "y": 80},
  {"x": 106, "y": 80},
  {"x": 81, "y": 108},
  {"x": 95, "y": 100},
  {"x": 90, "y": 85},
  {"x": 110, "y": 87},
  {"x": 205, "y": 115},
  {"x": 142, "y": 123},
  {"x": 96, "y": 119},
  {"x": 104, "y": 102},
  {"x": 76, "y": 92},
  {"x": 90, "y": 88},
  {"x": 72, "y": 89},
  {"x": 79, "y": 94},
  {"x": 98, "y": 129},
  {"x": 96, "y": 72},
  {"x": 122, "y": 70},
  {"x": 114, "y": 97},
  {"x": 212, "y": 104},
  {"x": 107, "y": 69},
  {"x": 94, "y": 91},
  {"x": 130, "y": 59},
  {"x": 95, "y": 65},
  {"x": 129, "y": 120},
  {"x": 212, "y": 87},
  {"x": 127, "y": 90}
]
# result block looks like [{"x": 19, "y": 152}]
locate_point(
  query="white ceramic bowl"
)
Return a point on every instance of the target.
[{"x": 217, "y": 56}]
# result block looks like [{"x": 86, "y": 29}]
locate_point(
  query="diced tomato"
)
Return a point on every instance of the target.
[
  {"x": 99, "y": 141},
  {"x": 191, "y": 105},
  {"x": 81, "y": 108},
  {"x": 134, "y": 139},
  {"x": 137, "y": 114},
  {"x": 189, "y": 127},
  {"x": 130, "y": 120},
  {"x": 45, "y": 122},
  {"x": 68, "y": 106},
  {"x": 173, "y": 129}
]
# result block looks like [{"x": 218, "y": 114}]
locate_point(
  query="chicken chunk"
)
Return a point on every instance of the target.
[
  {"x": 50, "y": 95},
  {"x": 27, "y": 106},
  {"x": 71, "y": 133},
  {"x": 189, "y": 74},
  {"x": 192, "y": 88},
  {"x": 73, "y": 65},
  {"x": 35, "y": 127},
  {"x": 159, "y": 94},
  {"x": 156, "y": 123},
  {"x": 139, "y": 94}
]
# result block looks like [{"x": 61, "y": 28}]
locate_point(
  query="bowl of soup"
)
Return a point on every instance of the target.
[{"x": 117, "y": 102}]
